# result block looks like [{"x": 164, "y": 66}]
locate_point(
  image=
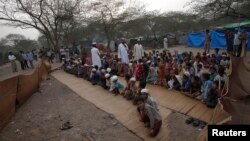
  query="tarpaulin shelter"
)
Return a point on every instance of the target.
[{"x": 197, "y": 39}]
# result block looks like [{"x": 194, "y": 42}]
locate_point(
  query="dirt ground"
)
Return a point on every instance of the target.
[
  {"x": 180, "y": 131},
  {"x": 41, "y": 117}
]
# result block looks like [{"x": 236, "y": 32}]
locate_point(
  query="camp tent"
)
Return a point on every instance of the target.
[{"x": 197, "y": 39}]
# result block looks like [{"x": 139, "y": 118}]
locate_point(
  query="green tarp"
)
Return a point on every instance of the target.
[{"x": 235, "y": 25}]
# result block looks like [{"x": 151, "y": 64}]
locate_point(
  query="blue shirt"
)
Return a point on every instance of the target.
[
  {"x": 207, "y": 85},
  {"x": 186, "y": 83},
  {"x": 118, "y": 85},
  {"x": 30, "y": 56},
  {"x": 218, "y": 56}
]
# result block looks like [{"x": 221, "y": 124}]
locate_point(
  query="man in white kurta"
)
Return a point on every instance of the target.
[
  {"x": 123, "y": 52},
  {"x": 95, "y": 54},
  {"x": 138, "y": 51},
  {"x": 165, "y": 42}
]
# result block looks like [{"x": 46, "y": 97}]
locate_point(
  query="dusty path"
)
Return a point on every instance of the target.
[{"x": 40, "y": 118}]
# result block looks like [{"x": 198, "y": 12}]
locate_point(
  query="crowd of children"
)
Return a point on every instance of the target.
[{"x": 201, "y": 76}]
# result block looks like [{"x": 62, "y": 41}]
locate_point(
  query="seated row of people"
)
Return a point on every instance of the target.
[{"x": 138, "y": 94}]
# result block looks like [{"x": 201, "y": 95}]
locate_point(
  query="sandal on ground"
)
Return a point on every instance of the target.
[
  {"x": 196, "y": 123},
  {"x": 66, "y": 126},
  {"x": 189, "y": 120}
]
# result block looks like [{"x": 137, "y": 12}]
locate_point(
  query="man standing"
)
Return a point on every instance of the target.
[
  {"x": 21, "y": 60},
  {"x": 62, "y": 53},
  {"x": 243, "y": 38},
  {"x": 138, "y": 51},
  {"x": 165, "y": 43},
  {"x": 25, "y": 57},
  {"x": 12, "y": 60},
  {"x": 207, "y": 42},
  {"x": 30, "y": 58},
  {"x": 123, "y": 52},
  {"x": 236, "y": 43},
  {"x": 95, "y": 54},
  {"x": 229, "y": 38}
]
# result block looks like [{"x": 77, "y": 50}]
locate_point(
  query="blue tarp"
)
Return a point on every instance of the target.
[{"x": 197, "y": 39}]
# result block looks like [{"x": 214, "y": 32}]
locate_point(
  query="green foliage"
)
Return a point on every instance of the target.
[{"x": 15, "y": 43}]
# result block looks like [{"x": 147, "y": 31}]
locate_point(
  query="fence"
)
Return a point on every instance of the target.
[{"x": 16, "y": 90}]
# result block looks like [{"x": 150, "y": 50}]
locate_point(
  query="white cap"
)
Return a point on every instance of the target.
[
  {"x": 103, "y": 70},
  {"x": 107, "y": 75},
  {"x": 132, "y": 79},
  {"x": 86, "y": 65},
  {"x": 93, "y": 70},
  {"x": 148, "y": 61},
  {"x": 108, "y": 69},
  {"x": 145, "y": 91},
  {"x": 93, "y": 43},
  {"x": 130, "y": 64},
  {"x": 113, "y": 78}
]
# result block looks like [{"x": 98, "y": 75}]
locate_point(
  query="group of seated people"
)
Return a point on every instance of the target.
[
  {"x": 201, "y": 76},
  {"x": 108, "y": 79}
]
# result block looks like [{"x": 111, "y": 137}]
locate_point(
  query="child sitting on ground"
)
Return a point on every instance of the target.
[
  {"x": 206, "y": 86},
  {"x": 161, "y": 73},
  {"x": 137, "y": 95},
  {"x": 186, "y": 82},
  {"x": 131, "y": 89},
  {"x": 95, "y": 77},
  {"x": 152, "y": 75},
  {"x": 114, "y": 67},
  {"x": 102, "y": 78},
  {"x": 213, "y": 95},
  {"x": 174, "y": 83},
  {"x": 198, "y": 71},
  {"x": 213, "y": 73},
  {"x": 117, "y": 86},
  {"x": 146, "y": 65},
  {"x": 127, "y": 78},
  {"x": 108, "y": 83},
  {"x": 195, "y": 87},
  {"x": 139, "y": 74}
]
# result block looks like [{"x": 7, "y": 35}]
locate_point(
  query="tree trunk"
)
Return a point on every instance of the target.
[{"x": 107, "y": 33}]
